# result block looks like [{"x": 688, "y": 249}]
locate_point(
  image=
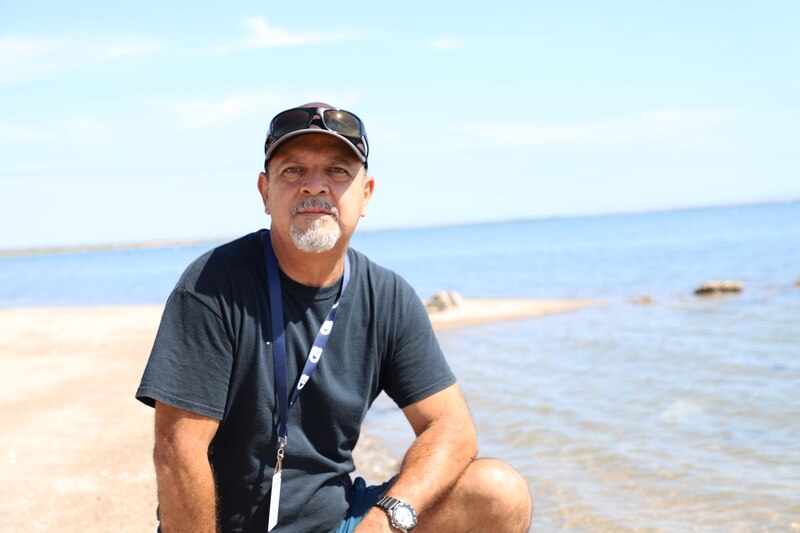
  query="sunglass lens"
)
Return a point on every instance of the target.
[
  {"x": 342, "y": 122},
  {"x": 289, "y": 121}
]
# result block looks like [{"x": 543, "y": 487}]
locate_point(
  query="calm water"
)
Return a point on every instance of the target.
[{"x": 681, "y": 415}]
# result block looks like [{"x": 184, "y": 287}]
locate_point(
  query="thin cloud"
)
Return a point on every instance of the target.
[
  {"x": 21, "y": 134},
  {"x": 647, "y": 126},
  {"x": 17, "y": 49},
  {"x": 444, "y": 43},
  {"x": 203, "y": 112},
  {"x": 264, "y": 35},
  {"x": 130, "y": 49},
  {"x": 80, "y": 130},
  {"x": 23, "y": 58}
]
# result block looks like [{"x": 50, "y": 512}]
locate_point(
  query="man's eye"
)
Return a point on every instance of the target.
[
  {"x": 339, "y": 174},
  {"x": 292, "y": 172}
]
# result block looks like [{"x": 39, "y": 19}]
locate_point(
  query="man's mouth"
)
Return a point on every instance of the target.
[
  {"x": 315, "y": 209},
  {"x": 313, "y": 212}
]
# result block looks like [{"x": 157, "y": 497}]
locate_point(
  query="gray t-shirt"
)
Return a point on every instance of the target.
[{"x": 213, "y": 356}]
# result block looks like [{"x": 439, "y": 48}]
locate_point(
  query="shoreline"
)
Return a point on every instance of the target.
[
  {"x": 87, "y": 248},
  {"x": 77, "y": 445}
]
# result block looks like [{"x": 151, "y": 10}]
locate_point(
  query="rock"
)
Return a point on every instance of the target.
[
  {"x": 716, "y": 286},
  {"x": 439, "y": 302},
  {"x": 456, "y": 298},
  {"x": 442, "y": 301},
  {"x": 797, "y": 282}
]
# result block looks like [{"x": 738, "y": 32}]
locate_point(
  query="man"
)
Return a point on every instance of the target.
[{"x": 271, "y": 350}]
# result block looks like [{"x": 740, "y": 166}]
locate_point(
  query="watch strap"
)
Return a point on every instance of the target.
[{"x": 389, "y": 504}]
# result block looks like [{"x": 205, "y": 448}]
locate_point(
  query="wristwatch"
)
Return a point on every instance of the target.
[{"x": 401, "y": 515}]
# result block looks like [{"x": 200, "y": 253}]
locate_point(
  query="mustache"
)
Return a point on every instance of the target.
[{"x": 313, "y": 204}]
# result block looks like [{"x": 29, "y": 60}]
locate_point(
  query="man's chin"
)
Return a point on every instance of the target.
[{"x": 315, "y": 240}]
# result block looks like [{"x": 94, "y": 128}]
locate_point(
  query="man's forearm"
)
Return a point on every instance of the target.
[
  {"x": 445, "y": 446},
  {"x": 434, "y": 462},
  {"x": 187, "y": 497},
  {"x": 432, "y": 465}
]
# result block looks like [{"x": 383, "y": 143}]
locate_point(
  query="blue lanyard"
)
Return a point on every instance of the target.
[{"x": 279, "y": 339}]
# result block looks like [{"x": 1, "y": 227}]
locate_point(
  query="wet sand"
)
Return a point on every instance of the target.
[{"x": 75, "y": 446}]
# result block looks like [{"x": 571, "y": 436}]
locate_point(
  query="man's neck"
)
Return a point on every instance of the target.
[{"x": 310, "y": 268}]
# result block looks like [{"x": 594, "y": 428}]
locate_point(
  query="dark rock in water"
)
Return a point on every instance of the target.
[{"x": 716, "y": 286}]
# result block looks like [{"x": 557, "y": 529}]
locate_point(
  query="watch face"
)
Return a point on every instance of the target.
[{"x": 404, "y": 517}]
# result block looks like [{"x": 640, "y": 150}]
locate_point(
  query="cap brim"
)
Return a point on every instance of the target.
[{"x": 275, "y": 145}]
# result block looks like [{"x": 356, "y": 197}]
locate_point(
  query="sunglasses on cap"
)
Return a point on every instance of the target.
[{"x": 338, "y": 122}]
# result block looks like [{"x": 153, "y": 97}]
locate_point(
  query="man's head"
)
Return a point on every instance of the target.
[{"x": 315, "y": 186}]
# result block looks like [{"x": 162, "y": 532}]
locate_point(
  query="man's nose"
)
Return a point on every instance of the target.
[{"x": 315, "y": 183}]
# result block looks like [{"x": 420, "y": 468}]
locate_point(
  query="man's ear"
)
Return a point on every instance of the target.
[
  {"x": 369, "y": 188},
  {"x": 263, "y": 188}
]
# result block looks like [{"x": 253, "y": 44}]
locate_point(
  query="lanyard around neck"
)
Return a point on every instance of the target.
[{"x": 279, "y": 338}]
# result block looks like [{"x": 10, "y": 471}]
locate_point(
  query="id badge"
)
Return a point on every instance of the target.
[{"x": 274, "y": 500}]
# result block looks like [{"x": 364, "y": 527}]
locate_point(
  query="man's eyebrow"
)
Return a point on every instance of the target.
[
  {"x": 290, "y": 160},
  {"x": 299, "y": 160},
  {"x": 340, "y": 159}
]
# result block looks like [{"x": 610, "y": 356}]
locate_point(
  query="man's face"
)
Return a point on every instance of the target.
[{"x": 315, "y": 192}]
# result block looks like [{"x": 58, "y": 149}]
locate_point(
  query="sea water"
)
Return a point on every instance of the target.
[{"x": 682, "y": 414}]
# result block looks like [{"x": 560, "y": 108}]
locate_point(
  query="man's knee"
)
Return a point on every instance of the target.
[
  {"x": 501, "y": 488},
  {"x": 490, "y": 496}
]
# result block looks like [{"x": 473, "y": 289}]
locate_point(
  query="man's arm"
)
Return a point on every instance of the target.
[
  {"x": 446, "y": 444},
  {"x": 186, "y": 491}
]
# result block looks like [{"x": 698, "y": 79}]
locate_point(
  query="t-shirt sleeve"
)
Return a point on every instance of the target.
[
  {"x": 191, "y": 360},
  {"x": 416, "y": 367}
]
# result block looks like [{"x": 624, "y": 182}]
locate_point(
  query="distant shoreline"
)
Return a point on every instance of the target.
[
  {"x": 83, "y": 248},
  {"x": 169, "y": 243}
]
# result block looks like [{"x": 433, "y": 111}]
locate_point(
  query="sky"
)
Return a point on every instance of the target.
[{"x": 138, "y": 121}]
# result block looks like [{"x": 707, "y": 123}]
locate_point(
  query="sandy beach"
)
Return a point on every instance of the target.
[{"x": 75, "y": 446}]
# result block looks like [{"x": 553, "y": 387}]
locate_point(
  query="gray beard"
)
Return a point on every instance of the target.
[{"x": 316, "y": 238}]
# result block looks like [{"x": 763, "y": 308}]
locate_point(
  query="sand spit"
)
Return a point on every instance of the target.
[
  {"x": 75, "y": 450},
  {"x": 474, "y": 311}
]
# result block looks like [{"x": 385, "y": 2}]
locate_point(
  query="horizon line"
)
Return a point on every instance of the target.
[{"x": 179, "y": 242}]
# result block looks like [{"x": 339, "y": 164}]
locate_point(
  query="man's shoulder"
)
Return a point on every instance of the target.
[
  {"x": 226, "y": 262},
  {"x": 382, "y": 281},
  {"x": 373, "y": 270}
]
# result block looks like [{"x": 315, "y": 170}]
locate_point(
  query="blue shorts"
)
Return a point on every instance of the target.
[{"x": 362, "y": 499}]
